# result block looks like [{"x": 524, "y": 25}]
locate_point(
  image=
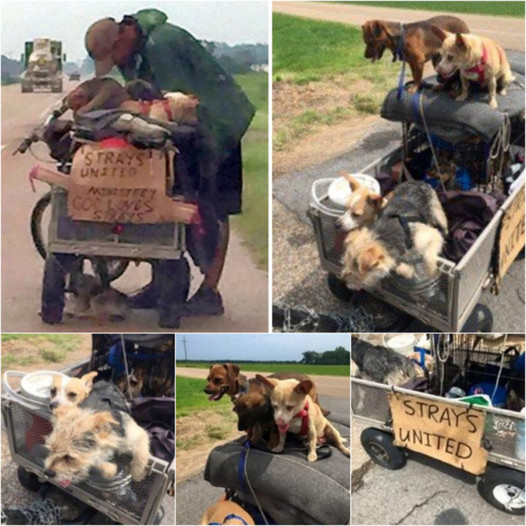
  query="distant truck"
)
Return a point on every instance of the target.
[{"x": 43, "y": 65}]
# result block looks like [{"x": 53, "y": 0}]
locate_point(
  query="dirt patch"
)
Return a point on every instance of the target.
[
  {"x": 317, "y": 121},
  {"x": 197, "y": 436}
]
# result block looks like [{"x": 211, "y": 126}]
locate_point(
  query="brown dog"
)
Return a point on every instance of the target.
[
  {"x": 96, "y": 94},
  {"x": 419, "y": 44}
]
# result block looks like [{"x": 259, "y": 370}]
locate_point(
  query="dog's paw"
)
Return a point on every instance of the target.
[
  {"x": 493, "y": 103},
  {"x": 346, "y": 451},
  {"x": 411, "y": 88},
  {"x": 461, "y": 98},
  {"x": 312, "y": 457},
  {"x": 277, "y": 449},
  {"x": 502, "y": 92}
]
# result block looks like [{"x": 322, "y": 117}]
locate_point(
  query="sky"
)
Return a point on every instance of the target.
[
  {"x": 233, "y": 22},
  {"x": 259, "y": 347}
]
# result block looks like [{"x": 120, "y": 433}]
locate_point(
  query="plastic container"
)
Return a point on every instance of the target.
[
  {"x": 339, "y": 190},
  {"x": 401, "y": 343}
]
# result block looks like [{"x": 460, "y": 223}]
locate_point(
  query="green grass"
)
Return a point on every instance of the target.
[
  {"x": 332, "y": 370},
  {"x": 323, "y": 52},
  {"x": 253, "y": 222},
  {"x": 34, "y": 348},
  {"x": 190, "y": 397},
  {"x": 515, "y": 9}
]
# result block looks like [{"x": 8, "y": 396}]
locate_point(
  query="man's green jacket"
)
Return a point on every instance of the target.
[{"x": 174, "y": 60}]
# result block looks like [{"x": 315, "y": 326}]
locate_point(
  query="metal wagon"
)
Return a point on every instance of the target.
[
  {"x": 27, "y": 422},
  {"x": 502, "y": 483}
]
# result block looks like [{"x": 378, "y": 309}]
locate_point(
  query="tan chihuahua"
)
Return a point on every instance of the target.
[
  {"x": 362, "y": 205},
  {"x": 296, "y": 412},
  {"x": 71, "y": 391}
]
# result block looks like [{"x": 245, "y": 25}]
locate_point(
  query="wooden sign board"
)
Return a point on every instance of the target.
[
  {"x": 511, "y": 237},
  {"x": 447, "y": 432},
  {"x": 117, "y": 185}
]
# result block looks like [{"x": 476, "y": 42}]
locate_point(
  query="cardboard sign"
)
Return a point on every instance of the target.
[
  {"x": 117, "y": 185},
  {"x": 511, "y": 237},
  {"x": 447, "y": 432}
]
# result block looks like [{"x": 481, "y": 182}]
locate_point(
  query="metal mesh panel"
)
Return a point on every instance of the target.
[
  {"x": 475, "y": 269},
  {"x": 28, "y": 431},
  {"x": 370, "y": 401}
]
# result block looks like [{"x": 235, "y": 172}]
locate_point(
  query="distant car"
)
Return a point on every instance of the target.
[{"x": 74, "y": 76}]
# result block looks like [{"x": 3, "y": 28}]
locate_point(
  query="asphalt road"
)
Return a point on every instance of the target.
[
  {"x": 335, "y": 386},
  {"x": 425, "y": 491},
  {"x": 511, "y": 37},
  {"x": 195, "y": 494},
  {"x": 243, "y": 286}
]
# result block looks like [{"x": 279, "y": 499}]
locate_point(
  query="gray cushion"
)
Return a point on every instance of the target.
[
  {"x": 454, "y": 120},
  {"x": 288, "y": 487}
]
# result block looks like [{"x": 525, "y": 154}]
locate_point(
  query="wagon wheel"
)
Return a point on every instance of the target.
[
  {"x": 379, "y": 446},
  {"x": 503, "y": 488},
  {"x": 106, "y": 269}
]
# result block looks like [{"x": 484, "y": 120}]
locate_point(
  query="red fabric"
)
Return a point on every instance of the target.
[
  {"x": 479, "y": 68},
  {"x": 304, "y": 415},
  {"x": 114, "y": 142}
]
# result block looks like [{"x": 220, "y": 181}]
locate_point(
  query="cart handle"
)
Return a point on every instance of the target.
[{"x": 23, "y": 400}]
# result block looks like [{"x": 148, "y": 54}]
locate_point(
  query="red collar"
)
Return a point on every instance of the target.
[
  {"x": 304, "y": 415},
  {"x": 479, "y": 68},
  {"x": 147, "y": 104}
]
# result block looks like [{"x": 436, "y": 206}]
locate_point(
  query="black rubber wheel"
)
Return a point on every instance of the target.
[
  {"x": 28, "y": 480},
  {"x": 107, "y": 269},
  {"x": 379, "y": 446},
  {"x": 36, "y": 224},
  {"x": 172, "y": 281},
  {"x": 53, "y": 291},
  {"x": 338, "y": 288},
  {"x": 502, "y": 487}
]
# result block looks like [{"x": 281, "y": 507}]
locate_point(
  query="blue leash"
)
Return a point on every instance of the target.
[
  {"x": 227, "y": 518},
  {"x": 242, "y": 461}
]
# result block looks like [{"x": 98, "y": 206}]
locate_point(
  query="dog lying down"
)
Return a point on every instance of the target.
[
  {"x": 409, "y": 229},
  {"x": 106, "y": 94},
  {"x": 385, "y": 366}
]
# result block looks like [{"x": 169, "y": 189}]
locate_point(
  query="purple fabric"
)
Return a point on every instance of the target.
[
  {"x": 157, "y": 416},
  {"x": 468, "y": 213}
]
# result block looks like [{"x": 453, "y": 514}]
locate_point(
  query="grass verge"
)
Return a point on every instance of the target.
[
  {"x": 190, "y": 397},
  {"x": 332, "y": 370},
  {"x": 27, "y": 349},
  {"x": 253, "y": 222},
  {"x": 515, "y": 9},
  {"x": 320, "y": 77}
]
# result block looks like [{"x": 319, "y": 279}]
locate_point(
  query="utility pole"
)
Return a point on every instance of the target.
[{"x": 184, "y": 344}]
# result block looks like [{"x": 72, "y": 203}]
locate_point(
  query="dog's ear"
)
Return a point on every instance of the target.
[
  {"x": 375, "y": 200},
  {"x": 460, "y": 42},
  {"x": 370, "y": 259},
  {"x": 88, "y": 379},
  {"x": 267, "y": 381},
  {"x": 353, "y": 183},
  {"x": 439, "y": 32},
  {"x": 232, "y": 370},
  {"x": 304, "y": 387},
  {"x": 378, "y": 28}
]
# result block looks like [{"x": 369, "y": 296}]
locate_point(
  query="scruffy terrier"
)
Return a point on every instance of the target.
[
  {"x": 87, "y": 438},
  {"x": 411, "y": 227}
]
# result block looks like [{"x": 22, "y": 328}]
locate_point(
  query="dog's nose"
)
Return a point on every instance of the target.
[
  {"x": 49, "y": 473},
  {"x": 53, "y": 405}
]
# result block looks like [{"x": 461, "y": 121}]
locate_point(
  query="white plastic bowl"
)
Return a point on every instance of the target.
[
  {"x": 401, "y": 343},
  {"x": 36, "y": 385},
  {"x": 339, "y": 190}
]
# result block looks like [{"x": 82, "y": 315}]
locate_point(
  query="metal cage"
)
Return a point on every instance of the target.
[
  {"x": 444, "y": 302},
  {"x": 128, "y": 502}
]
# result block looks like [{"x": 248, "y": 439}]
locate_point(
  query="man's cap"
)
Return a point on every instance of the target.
[{"x": 100, "y": 39}]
